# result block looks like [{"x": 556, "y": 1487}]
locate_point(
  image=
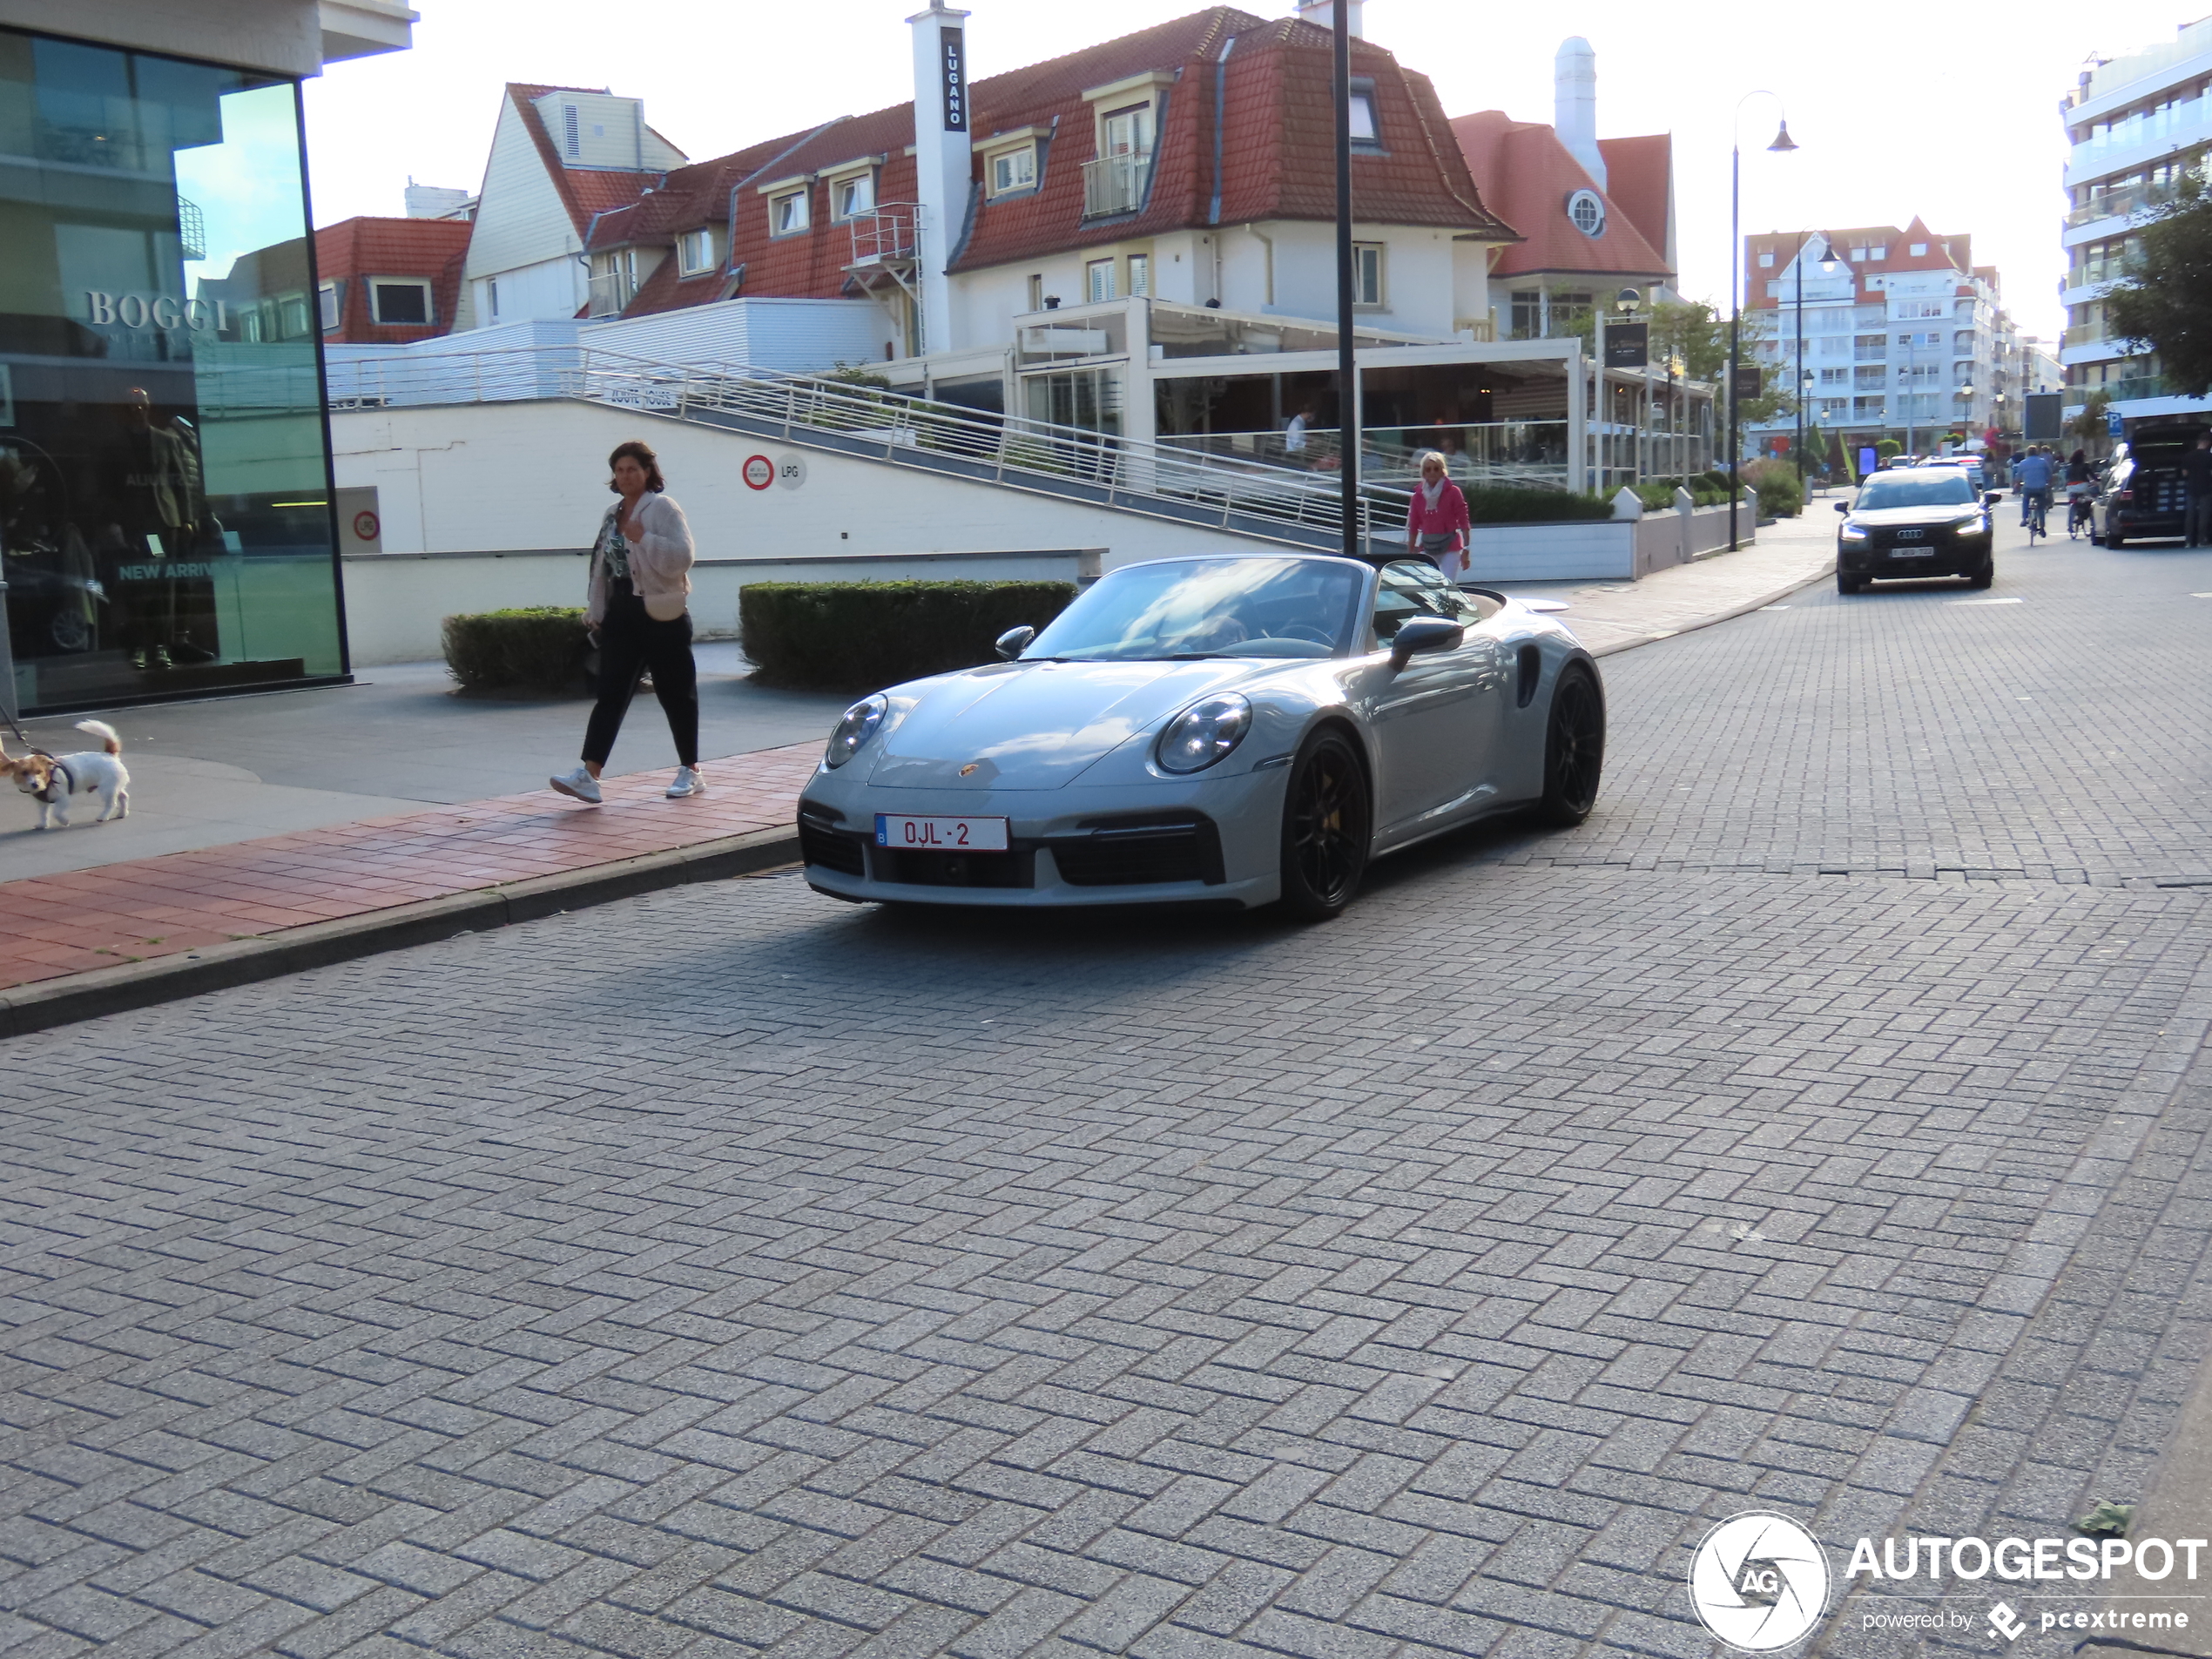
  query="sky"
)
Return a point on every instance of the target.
[{"x": 1955, "y": 119}]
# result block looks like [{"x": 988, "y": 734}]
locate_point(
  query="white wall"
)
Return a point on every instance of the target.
[
  {"x": 530, "y": 478},
  {"x": 522, "y": 231},
  {"x": 800, "y": 336},
  {"x": 552, "y": 290}
]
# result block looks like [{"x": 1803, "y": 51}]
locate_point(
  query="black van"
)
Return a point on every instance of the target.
[{"x": 2143, "y": 495}]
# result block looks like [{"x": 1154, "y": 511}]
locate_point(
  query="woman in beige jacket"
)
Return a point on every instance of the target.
[{"x": 637, "y": 611}]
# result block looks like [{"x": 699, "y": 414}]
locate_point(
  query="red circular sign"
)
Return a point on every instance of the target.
[
  {"x": 366, "y": 526},
  {"x": 759, "y": 472}
]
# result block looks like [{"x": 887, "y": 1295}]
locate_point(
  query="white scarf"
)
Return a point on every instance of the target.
[{"x": 1432, "y": 494}]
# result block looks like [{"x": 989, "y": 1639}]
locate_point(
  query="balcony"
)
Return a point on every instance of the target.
[
  {"x": 1115, "y": 184},
  {"x": 885, "y": 235},
  {"x": 2115, "y": 203},
  {"x": 2081, "y": 334}
]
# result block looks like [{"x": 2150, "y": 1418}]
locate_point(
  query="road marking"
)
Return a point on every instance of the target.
[
  {"x": 1774, "y": 607},
  {"x": 2200, "y": 596},
  {"x": 1983, "y": 602}
]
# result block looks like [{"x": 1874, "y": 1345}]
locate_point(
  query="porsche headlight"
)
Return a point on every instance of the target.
[
  {"x": 1204, "y": 733},
  {"x": 1852, "y": 533},
  {"x": 859, "y": 725}
]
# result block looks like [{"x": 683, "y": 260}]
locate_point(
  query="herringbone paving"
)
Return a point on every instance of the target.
[{"x": 733, "y": 1272}]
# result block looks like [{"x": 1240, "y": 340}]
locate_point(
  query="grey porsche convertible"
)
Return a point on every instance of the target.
[{"x": 1240, "y": 730}]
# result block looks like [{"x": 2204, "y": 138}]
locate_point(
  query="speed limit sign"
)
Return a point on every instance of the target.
[{"x": 759, "y": 472}]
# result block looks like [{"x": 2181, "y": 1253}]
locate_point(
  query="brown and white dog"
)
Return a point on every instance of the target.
[{"x": 51, "y": 779}]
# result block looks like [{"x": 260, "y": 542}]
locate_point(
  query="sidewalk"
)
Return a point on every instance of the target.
[{"x": 90, "y": 933}]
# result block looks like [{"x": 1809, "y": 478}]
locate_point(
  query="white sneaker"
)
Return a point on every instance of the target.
[
  {"x": 579, "y": 783},
  {"x": 688, "y": 782}
]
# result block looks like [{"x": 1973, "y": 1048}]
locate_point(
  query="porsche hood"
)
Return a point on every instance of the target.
[{"x": 1037, "y": 725}]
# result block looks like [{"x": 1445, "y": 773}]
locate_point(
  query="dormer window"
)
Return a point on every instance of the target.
[
  {"x": 1586, "y": 208},
  {"x": 788, "y": 213},
  {"x": 853, "y": 195},
  {"x": 1117, "y": 180},
  {"x": 1917, "y": 250},
  {"x": 695, "y": 252},
  {"x": 1013, "y": 170},
  {"x": 1365, "y": 130},
  {"x": 1766, "y": 261}
]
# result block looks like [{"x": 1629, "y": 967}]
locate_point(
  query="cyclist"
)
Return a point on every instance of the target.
[
  {"x": 2035, "y": 484},
  {"x": 2080, "y": 477}
]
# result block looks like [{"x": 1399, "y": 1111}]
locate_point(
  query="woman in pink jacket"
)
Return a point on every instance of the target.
[{"x": 1438, "y": 524}]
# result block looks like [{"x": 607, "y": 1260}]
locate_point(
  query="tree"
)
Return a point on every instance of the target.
[
  {"x": 2164, "y": 304},
  {"x": 1692, "y": 331},
  {"x": 2089, "y": 425}
]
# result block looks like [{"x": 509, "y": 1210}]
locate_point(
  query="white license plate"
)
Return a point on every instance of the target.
[
  {"x": 940, "y": 834},
  {"x": 1913, "y": 552}
]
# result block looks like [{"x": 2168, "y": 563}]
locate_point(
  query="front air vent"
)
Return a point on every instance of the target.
[{"x": 1529, "y": 668}]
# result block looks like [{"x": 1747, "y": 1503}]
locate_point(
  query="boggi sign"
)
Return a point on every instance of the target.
[{"x": 155, "y": 311}]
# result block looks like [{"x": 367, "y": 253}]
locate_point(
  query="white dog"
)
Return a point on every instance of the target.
[{"x": 51, "y": 779}]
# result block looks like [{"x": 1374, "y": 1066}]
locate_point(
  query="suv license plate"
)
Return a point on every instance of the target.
[
  {"x": 1913, "y": 552},
  {"x": 940, "y": 834}
]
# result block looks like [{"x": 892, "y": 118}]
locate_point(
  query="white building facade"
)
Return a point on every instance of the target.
[{"x": 2136, "y": 124}]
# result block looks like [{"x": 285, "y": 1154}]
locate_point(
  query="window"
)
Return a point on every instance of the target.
[
  {"x": 1367, "y": 274},
  {"x": 1917, "y": 250},
  {"x": 1586, "y": 208},
  {"x": 1140, "y": 274},
  {"x": 1013, "y": 170},
  {"x": 1127, "y": 133},
  {"x": 399, "y": 299},
  {"x": 491, "y": 293},
  {"x": 1036, "y": 291},
  {"x": 1907, "y": 308},
  {"x": 1879, "y": 251},
  {"x": 1364, "y": 128},
  {"x": 1858, "y": 253},
  {"x": 1099, "y": 279},
  {"x": 1766, "y": 261},
  {"x": 787, "y": 214},
  {"x": 695, "y": 252},
  {"x": 851, "y": 197},
  {"x": 1835, "y": 376},
  {"x": 327, "y": 302},
  {"x": 1528, "y": 315}
]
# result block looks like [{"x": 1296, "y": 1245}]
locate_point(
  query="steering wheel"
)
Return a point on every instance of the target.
[{"x": 1306, "y": 631}]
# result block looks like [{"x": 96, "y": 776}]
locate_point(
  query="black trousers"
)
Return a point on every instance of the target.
[
  {"x": 630, "y": 642},
  {"x": 2196, "y": 520}
]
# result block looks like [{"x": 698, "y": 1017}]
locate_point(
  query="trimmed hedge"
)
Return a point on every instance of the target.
[
  {"x": 1507, "y": 506},
  {"x": 540, "y": 648},
  {"x": 863, "y": 636},
  {"x": 1780, "y": 494}
]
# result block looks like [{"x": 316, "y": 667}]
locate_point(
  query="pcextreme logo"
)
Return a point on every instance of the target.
[{"x": 1761, "y": 1582}]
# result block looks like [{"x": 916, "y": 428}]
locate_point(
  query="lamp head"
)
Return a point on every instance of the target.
[
  {"x": 1627, "y": 300},
  {"x": 1781, "y": 139}
]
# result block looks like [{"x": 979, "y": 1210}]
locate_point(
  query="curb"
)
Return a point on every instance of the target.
[
  {"x": 1743, "y": 610},
  {"x": 44, "y": 1004}
]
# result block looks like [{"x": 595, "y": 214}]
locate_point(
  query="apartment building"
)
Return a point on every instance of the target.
[
  {"x": 1902, "y": 334},
  {"x": 2135, "y": 124}
]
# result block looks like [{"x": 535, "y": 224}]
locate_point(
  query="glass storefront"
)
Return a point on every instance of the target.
[{"x": 164, "y": 520}]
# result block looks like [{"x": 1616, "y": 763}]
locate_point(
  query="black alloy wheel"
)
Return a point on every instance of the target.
[
  {"x": 1573, "y": 749},
  {"x": 1327, "y": 824},
  {"x": 1983, "y": 574},
  {"x": 1848, "y": 584}
]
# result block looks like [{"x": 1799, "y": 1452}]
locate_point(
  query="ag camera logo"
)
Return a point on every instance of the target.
[{"x": 1759, "y": 1581}]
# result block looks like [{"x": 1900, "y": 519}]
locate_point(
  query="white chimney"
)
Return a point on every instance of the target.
[
  {"x": 943, "y": 147},
  {"x": 1323, "y": 14},
  {"x": 1575, "y": 105}
]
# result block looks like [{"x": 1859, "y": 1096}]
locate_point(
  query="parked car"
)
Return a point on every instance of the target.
[
  {"x": 2142, "y": 496},
  {"x": 1925, "y": 522},
  {"x": 1232, "y": 730},
  {"x": 1971, "y": 465}
]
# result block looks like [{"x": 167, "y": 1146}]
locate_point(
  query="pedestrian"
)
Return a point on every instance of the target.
[
  {"x": 2197, "y": 473},
  {"x": 1437, "y": 522},
  {"x": 637, "y": 609},
  {"x": 1294, "y": 435}
]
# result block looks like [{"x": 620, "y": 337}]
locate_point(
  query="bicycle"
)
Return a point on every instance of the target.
[
  {"x": 2039, "y": 501},
  {"x": 2079, "y": 517}
]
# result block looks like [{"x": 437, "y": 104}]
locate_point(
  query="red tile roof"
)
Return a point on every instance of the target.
[
  {"x": 354, "y": 249},
  {"x": 1950, "y": 253},
  {"x": 1527, "y": 175},
  {"x": 1278, "y": 147},
  {"x": 1640, "y": 179},
  {"x": 585, "y": 190}
]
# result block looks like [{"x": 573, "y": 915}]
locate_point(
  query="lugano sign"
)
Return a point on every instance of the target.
[{"x": 155, "y": 311}]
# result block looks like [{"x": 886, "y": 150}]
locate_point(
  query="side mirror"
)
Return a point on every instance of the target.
[
  {"x": 1015, "y": 641},
  {"x": 1991, "y": 498},
  {"x": 1843, "y": 507},
  {"x": 1424, "y": 633}
]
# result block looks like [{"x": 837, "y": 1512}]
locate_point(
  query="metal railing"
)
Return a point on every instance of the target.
[
  {"x": 1115, "y": 184},
  {"x": 1231, "y": 491},
  {"x": 2119, "y": 204},
  {"x": 886, "y": 233}
]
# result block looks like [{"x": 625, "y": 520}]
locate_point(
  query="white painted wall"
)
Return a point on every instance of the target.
[
  {"x": 523, "y": 234},
  {"x": 529, "y": 478},
  {"x": 799, "y": 336},
  {"x": 552, "y": 290}
]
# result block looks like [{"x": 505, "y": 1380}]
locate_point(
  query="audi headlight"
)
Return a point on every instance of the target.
[
  {"x": 859, "y": 725},
  {"x": 1204, "y": 733},
  {"x": 1852, "y": 533}
]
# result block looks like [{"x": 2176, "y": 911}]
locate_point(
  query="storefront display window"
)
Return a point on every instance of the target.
[{"x": 164, "y": 520}]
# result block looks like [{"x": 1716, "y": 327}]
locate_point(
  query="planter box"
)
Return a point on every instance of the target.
[
  {"x": 1570, "y": 552},
  {"x": 1669, "y": 539}
]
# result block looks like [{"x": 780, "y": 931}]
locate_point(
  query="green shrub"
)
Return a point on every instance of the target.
[
  {"x": 1509, "y": 505},
  {"x": 1706, "y": 489},
  {"x": 862, "y": 635},
  {"x": 540, "y": 648},
  {"x": 1888, "y": 450},
  {"x": 1780, "y": 494}
]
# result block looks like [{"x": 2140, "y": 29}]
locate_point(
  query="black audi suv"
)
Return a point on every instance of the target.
[{"x": 1915, "y": 523}]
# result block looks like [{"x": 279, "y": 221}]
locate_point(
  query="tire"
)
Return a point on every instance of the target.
[
  {"x": 68, "y": 629},
  {"x": 1328, "y": 823},
  {"x": 1847, "y": 583},
  {"x": 2115, "y": 542},
  {"x": 1983, "y": 574},
  {"x": 1573, "y": 749}
]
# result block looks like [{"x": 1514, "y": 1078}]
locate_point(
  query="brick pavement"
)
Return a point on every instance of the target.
[{"x": 733, "y": 1272}]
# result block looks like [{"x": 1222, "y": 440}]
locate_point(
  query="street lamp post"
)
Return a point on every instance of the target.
[
  {"x": 1805, "y": 396},
  {"x": 1782, "y": 142},
  {"x": 1347, "y": 361}
]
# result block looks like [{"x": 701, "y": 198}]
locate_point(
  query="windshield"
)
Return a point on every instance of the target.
[
  {"x": 1943, "y": 489},
  {"x": 1227, "y": 607}
]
